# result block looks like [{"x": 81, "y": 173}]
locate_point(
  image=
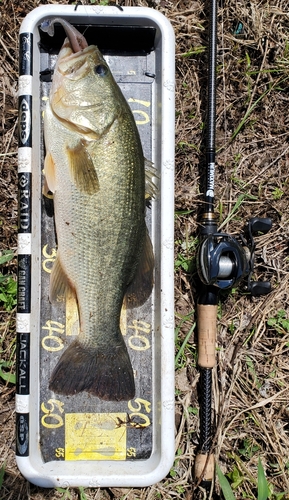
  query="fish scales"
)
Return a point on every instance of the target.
[
  {"x": 94, "y": 165},
  {"x": 111, "y": 221}
]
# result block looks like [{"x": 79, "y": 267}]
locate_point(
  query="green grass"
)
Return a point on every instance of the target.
[
  {"x": 8, "y": 292},
  {"x": 274, "y": 86},
  {"x": 279, "y": 322},
  {"x": 66, "y": 495},
  {"x": 264, "y": 489},
  {"x": 2, "y": 472},
  {"x": 82, "y": 494},
  {"x": 8, "y": 285},
  {"x": 185, "y": 260},
  {"x": 277, "y": 194},
  {"x": 252, "y": 371},
  {"x": 181, "y": 350},
  {"x": 183, "y": 144},
  {"x": 5, "y": 373},
  {"x": 249, "y": 448},
  {"x": 101, "y": 2},
  {"x": 236, "y": 207},
  {"x": 182, "y": 347},
  {"x": 194, "y": 51}
]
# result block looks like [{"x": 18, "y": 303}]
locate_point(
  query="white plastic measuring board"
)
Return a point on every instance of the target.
[{"x": 82, "y": 440}]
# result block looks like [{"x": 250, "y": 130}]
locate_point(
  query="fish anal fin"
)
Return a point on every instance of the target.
[
  {"x": 49, "y": 170},
  {"x": 105, "y": 374},
  {"x": 82, "y": 169},
  {"x": 141, "y": 286},
  {"x": 151, "y": 188},
  {"x": 59, "y": 283}
]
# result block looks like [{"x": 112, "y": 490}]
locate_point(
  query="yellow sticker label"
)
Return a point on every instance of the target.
[{"x": 95, "y": 436}]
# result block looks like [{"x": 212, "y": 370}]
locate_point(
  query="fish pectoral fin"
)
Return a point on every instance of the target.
[
  {"x": 141, "y": 286},
  {"x": 151, "y": 188},
  {"x": 59, "y": 284},
  {"x": 49, "y": 170},
  {"x": 82, "y": 169}
]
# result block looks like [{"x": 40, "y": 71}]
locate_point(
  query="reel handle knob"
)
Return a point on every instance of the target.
[
  {"x": 260, "y": 224},
  {"x": 259, "y": 288}
]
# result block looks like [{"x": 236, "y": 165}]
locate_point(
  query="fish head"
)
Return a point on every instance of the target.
[{"x": 84, "y": 94}]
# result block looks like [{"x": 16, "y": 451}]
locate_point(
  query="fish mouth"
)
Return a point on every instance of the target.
[{"x": 75, "y": 65}]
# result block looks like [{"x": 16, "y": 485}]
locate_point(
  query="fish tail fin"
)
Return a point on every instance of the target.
[{"x": 105, "y": 374}]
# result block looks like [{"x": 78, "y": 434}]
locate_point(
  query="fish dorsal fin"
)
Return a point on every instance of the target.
[
  {"x": 59, "y": 284},
  {"x": 140, "y": 288},
  {"x": 49, "y": 170},
  {"x": 82, "y": 169}
]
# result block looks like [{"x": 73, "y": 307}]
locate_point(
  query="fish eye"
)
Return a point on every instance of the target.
[{"x": 101, "y": 70}]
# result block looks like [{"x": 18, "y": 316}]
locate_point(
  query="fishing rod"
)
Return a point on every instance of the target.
[{"x": 222, "y": 261}]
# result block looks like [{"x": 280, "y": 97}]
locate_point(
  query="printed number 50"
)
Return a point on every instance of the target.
[
  {"x": 136, "y": 410},
  {"x": 52, "y": 410}
]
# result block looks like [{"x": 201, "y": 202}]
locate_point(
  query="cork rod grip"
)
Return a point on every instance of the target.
[
  {"x": 204, "y": 467},
  {"x": 207, "y": 327}
]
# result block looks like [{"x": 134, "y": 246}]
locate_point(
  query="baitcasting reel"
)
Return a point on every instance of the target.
[{"x": 223, "y": 261}]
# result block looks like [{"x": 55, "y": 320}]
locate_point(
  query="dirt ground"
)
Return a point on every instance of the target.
[{"x": 250, "y": 382}]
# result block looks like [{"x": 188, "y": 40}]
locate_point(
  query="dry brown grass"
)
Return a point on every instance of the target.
[{"x": 251, "y": 390}]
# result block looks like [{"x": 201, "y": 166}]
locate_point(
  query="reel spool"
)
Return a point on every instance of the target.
[{"x": 224, "y": 260}]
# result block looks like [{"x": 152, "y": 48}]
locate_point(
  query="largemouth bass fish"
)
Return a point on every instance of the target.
[{"x": 94, "y": 166}]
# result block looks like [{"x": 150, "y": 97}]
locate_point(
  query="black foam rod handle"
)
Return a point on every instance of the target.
[{"x": 259, "y": 224}]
